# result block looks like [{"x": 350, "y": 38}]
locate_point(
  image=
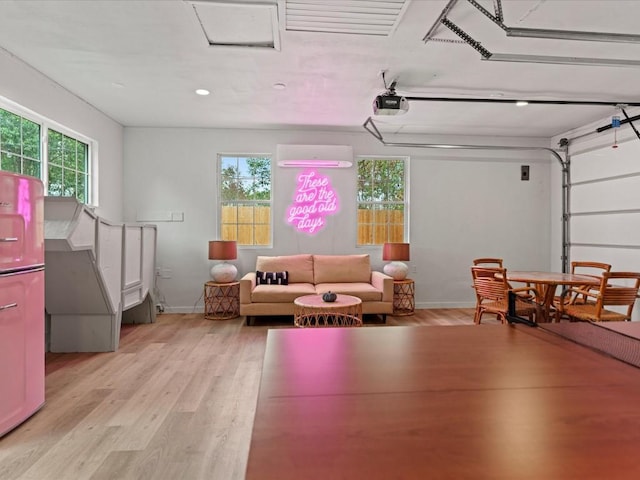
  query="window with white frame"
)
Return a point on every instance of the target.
[
  {"x": 244, "y": 187},
  {"x": 382, "y": 200},
  {"x": 19, "y": 145},
  {"x": 68, "y": 166},
  {"x": 34, "y": 146}
]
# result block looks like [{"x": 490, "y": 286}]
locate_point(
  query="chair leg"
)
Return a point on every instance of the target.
[
  {"x": 477, "y": 316},
  {"x": 559, "y": 315},
  {"x": 534, "y": 316}
]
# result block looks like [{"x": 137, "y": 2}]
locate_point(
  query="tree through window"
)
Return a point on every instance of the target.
[
  {"x": 68, "y": 167},
  {"x": 19, "y": 145}
]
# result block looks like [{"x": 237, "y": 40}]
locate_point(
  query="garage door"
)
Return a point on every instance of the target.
[{"x": 605, "y": 207}]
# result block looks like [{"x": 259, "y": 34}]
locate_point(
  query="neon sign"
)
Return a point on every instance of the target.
[{"x": 314, "y": 199}]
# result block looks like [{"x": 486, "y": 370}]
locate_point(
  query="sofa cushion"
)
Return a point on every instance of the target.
[
  {"x": 272, "y": 278},
  {"x": 300, "y": 267},
  {"x": 364, "y": 291},
  {"x": 341, "y": 268},
  {"x": 281, "y": 293}
]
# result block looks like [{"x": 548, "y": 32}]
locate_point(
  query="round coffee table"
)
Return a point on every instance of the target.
[{"x": 312, "y": 311}]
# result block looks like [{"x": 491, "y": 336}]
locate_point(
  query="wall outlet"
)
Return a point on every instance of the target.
[
  {"x": 166, "y": 273},
  {"x": 414, "y": 269}
]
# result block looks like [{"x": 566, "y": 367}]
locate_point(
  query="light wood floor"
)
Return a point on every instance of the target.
[{"x": 175, "y": 402}]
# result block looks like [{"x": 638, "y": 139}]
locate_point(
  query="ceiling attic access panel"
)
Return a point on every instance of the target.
[{"x": 235, "y": 24}]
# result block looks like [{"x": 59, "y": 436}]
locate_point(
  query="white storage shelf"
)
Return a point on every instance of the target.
[{"x": 94, "y": 271}]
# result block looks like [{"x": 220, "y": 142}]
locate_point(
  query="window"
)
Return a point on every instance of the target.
[
  {"x": 382, "y": 205},
  {"x": 68, "y": 166},
  {"x": 19, "y": 145},
  {"x": 61, "y": 159},
  {"x": 245, "y": 199}
]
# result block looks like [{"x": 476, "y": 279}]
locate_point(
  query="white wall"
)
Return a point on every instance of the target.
[
  {"x": 22, "y": 84},
  {"x": 464, "y": 204}
]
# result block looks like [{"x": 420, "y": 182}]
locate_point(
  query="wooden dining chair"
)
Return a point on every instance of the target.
[
  {"x": 492, "y": 292},
  {"x": 488, "y": 262},
  {"x": 590, "y": 269},
  {"x": 623, "y": 296},
  {"x": 498, "y": 262}
]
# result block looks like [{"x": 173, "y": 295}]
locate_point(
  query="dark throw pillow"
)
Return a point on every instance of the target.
[{"x": 272, "y": 278}]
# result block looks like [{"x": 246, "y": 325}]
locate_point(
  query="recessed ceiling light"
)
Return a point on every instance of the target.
[
  {"x": 521, "y": 103},
  {"x": 279, "y": 86},
  {"x": 117, "y": 84},
  {"x": 202, "y": 91}
]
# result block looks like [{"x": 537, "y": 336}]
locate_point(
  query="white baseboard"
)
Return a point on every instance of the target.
[
  {"x": 172, "y": 309},
  {"x": 429, "y": 305}
]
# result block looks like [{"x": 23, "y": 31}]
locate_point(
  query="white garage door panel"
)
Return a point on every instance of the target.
[
  {"x": 620, "y": 259},
  {"x": 619, "y": 194},
  {"x": 614, "y": 229},
  {"x": 606, "y": 162},
  {"x": 613, "y": 235}
]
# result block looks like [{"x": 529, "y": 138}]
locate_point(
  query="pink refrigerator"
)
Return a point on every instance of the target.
[{"x": 22, "y": 315}]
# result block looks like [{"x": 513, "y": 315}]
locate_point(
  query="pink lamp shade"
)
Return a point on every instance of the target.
[
  {"x": 396, "y": 252},
  {"x": 223, "y": 250}
]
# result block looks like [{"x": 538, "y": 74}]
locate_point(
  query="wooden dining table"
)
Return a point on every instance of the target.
[{"x": 546, "y": 284}]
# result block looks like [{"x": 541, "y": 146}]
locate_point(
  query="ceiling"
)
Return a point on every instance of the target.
[{"x": 140, "y": 62}]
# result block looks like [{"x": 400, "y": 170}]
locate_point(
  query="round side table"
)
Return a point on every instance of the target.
[
  {"x": 403, "y": 297},
  {"x": 221, "y": 300}
]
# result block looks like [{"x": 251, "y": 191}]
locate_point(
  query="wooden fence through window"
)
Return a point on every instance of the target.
[{"x": 251, "y": 225}]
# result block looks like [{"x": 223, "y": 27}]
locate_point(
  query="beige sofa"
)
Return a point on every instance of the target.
[{"x": 315, "y": 274}]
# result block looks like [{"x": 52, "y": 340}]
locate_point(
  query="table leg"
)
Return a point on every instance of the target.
[{"x": 549, "y": 292}]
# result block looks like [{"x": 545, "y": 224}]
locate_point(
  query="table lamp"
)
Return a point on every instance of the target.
[
  {"x": 396, "y": 252},
  {"x": 223, "y": 250}
]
